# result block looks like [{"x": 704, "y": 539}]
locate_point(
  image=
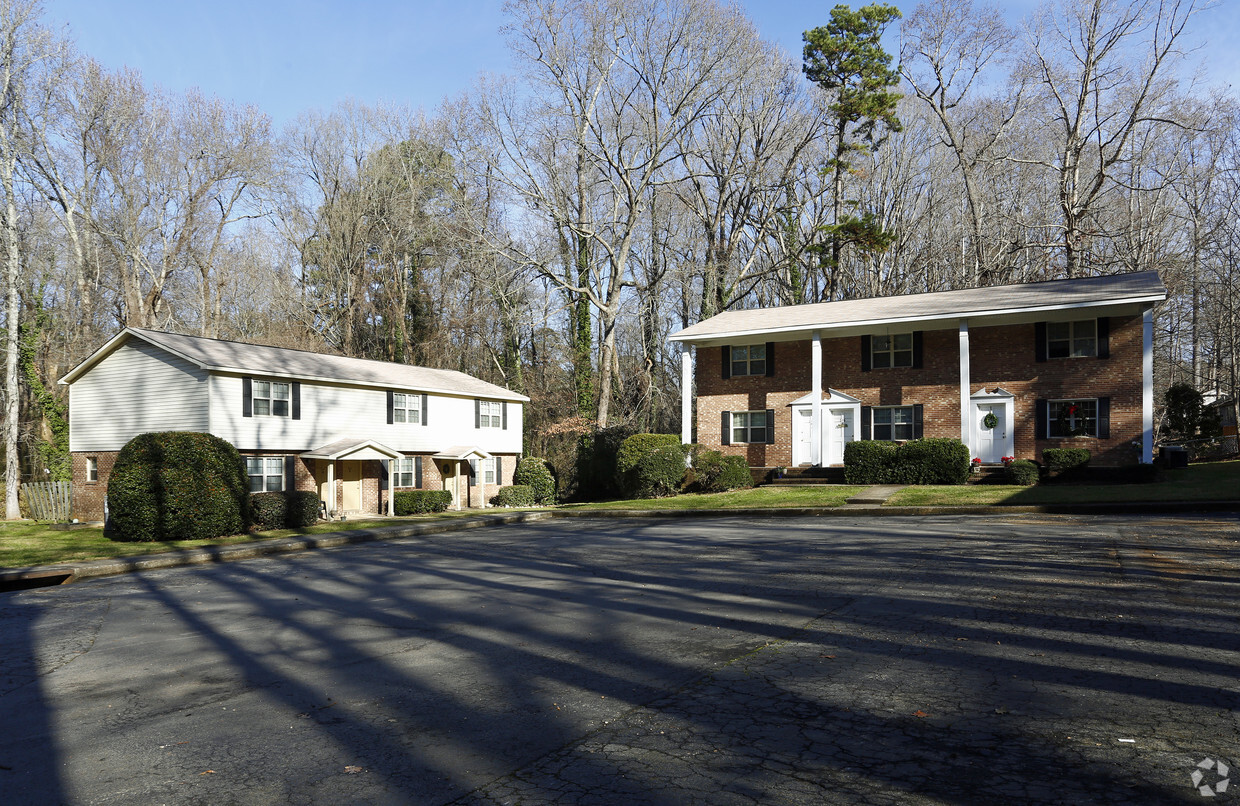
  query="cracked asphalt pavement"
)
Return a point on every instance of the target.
[{"x": 953, "y": 659}]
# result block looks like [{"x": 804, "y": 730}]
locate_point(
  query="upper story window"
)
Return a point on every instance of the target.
[
  {"x": 1072, "y": 418},
  {"x": 893, "y": 423},
  {"x": 266, "y": 472},
  {"x": 1072, "y": 339},
  {"x": 490, "y": 414},
  {"x": 271, "y": 399},
  {"x": 749, "y": 360},
  {"x": 406, "y": 408},
  {"x": 895, "y": 350}
]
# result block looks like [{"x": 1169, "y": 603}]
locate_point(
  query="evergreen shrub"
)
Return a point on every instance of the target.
[
  {"x": 1022, "y": 472},
  {"x": 645, "y": 466},
  {"x": 934, "y": 460},
  {"x": 868, "y": 462},
  {"x": 596, "y": 462},
  {"x": 268, "y": 510},
  {"x": 716, "y": 473},
  {"x": 535, "y": 473},
  {"x": 1066, "y": 461},
  {"x": 417, "y": 502},
  {"x": 302, "y": 509},
  {"x": 514, "y": 495}
]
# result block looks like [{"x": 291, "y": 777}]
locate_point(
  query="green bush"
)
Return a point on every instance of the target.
[
  {"x": 268, "y": 510},
  {"x": 596, "y": 462},
  {"x": 515, "y": 495},
  {"x": 868, "y": 462},
  {"x": 1065, "y": 461},
  {"x": 416, "y": 502},
  {"x": 716, "y": 473},
  {"x": 302, "y": 509},
  {"x": 644, "y": 468},
  {"x": 534, "y": 472},
  {"x": 178, "y": 485},
  {"x": 1022, "y": 472},
  {"x": 934, "y": 460}
]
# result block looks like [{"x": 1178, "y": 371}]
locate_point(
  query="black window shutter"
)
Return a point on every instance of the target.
[
  {"x": 1104, "y": 337},
  {"x": 770, "y": 359},
  {"x": 247, "y": 397},
  {"x": 770, "y": 426},
  {"x": 726, "y": 352},
  {"x": 391, "y": 406},
  {"x": 423, "y": 409},
  {"x": 1039, "y": 343},
  {"x": 505, "y": 407},
  {"x": 384, "y": 472},
  {"x": 1104, "y": 418},
  {"x": 867, "y": 415},
  {"x": 499, "y": 470},
  {"x": 866, "y": 358},
  {"x": 917, "y": 349},
  {"x": 477, "y": 413},
  {"x": 290, "y": 471},
  {"x": 417, "y": 472},
  {"x": 918, "y": 414},
  {"x": 725, "y": 428},
  {"x": 296, "y": 391},
  {"x": 473, "y": 471},
  {"x": 1041, "y": 409}
]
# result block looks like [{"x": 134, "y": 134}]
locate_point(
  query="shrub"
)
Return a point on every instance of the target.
[
  {"x": 644, "y": 465},
  {"x": 868, "y": 462},
  {"x": 516, "y": 495},
  {"x": 178, "y": 485},
  {"x": 716, "y": 473},
  {"x": 533, "y": 472},
  {"x": 302, "y": 509},
  {"x": 1065, "y": 461},
  {"x": 268, "y": 510},
  {"x": 1022, "y": 472},
  {"x": 596, "y": 462},
  {"x": 934, "y": 460},
  {"x": 416, "y": 502}
]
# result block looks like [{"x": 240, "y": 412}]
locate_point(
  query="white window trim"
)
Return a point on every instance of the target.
[
  {"x": 748, "y": 428},
  {"x": 490, "y": 414},
  {"x": 267, "y": 467},
  {"x": 874, "y": 410},
  {"x": 270, "y": 399},
  {"x": 92, "y": 469},
  {"x": 1051, "y": 419},
  {"x": 747, "y": 361},
  {"x": 891, "y": 351},
  {"x": 411, "y": 412},
  {"x": 1072, "y": 339},
  {"x": 398, "y": 469}
]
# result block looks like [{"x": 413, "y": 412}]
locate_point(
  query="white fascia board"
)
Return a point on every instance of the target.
[
  {"x": 949, "y": 320},
  {"x": 510, "y": 396},
  {"x": 110, "y": 346}
]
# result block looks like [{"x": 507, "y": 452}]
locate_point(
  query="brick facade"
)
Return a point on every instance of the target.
[
  {"x": 999, "y": 356},
  {"x": 89, "y": 497}
]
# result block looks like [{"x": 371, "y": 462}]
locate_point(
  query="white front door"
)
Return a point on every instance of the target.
[
  {"x": 805, "y": 437},
  {"x": 992, "y": 443},
  {"x": 839, "y": 428}
]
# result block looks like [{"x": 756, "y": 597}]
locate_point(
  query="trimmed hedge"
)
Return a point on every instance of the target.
[
  {"x": 178, "y": 485},
  {"x": 1022, "y": 472},
  {"x": 416, "y": 502},
  {"x": 933, "y": 460},
  {"x": 650, "y": 465},
  {"x": 716, "y": 473},
  {"x": 596, "y": 462},
  {"x": 535, "y": 473},
  {"x": 302, "y": 508},
  {"x": 1065, "y": 461},
  {"x": 868, "y": 462},
  {"x": 515, "y": 495},
  {"x": 268, "y": 510}
]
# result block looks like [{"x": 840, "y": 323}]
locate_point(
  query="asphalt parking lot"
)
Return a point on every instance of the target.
[{"x": 955, "y": 659}]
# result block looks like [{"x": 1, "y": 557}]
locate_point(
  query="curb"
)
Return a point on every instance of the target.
[{"x": 48, "y": 575}]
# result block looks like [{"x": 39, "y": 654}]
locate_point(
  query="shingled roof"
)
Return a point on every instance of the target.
[
  {"x": 939, "y": 308},
  {"x": 218, "y": 355}
]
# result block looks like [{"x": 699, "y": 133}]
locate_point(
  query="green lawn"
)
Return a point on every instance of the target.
[
  {"x": 1214, "y": 481},
  {"x": 757, "y": 498}
]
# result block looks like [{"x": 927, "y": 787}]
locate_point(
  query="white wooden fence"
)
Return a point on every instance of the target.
[{"x": 48, "y": 500}]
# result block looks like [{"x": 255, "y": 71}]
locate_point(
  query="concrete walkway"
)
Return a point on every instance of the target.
[{"x": 878, "y": 494}]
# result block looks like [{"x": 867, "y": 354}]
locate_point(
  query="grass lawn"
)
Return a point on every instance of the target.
[
  {"x": 756, "y": 498},
  {"x": 1213, "y": 481}
]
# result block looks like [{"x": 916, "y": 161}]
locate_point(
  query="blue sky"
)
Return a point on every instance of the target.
[{"x": 289, "y": 57}]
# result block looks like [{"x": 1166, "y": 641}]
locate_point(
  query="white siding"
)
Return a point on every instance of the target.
[
  {"x": 331, "y": 412},
  {"x": 136, "y": 389}
]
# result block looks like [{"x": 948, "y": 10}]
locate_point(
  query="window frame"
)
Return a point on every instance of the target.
[
  {"x": 410, "y": 413},
  {"x": 891, "y": 350},
  {"x": 1073, "y": 339},
  {"x": 399, "y": 473},
  {"x": 750, "y": 365},
  {"x": 911, "y": 424},
  {"x": 749, "y": 427},
  {"x": 492, "y": 420},
  {"x": 92, "y": 469},
  {"x": 270, "y": 467},
  {"x": 1054, "y": 415},
  {"x": 269, "y": 400}
]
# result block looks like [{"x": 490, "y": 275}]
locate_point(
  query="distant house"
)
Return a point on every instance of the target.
[
  {"x": 351, "y": 429},
  {"x": 1009, "y": 370}
]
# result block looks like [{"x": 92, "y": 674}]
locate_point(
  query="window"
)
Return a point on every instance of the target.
[
  {"x": 749, "y": 360},
  {"x": 266, "y": 472},
  {"x": 891, "y": 351},
  {"x": 748, "y": 426},
  {"x": 490, "y": 414},
  {"x": 404, "y": 472},
  {"x": 1072, "y": 418},
  {"x": 893, "y": 423},
  {"x": 406, "y": 408},
  {"x": 92, "y": 468},
  {"x": 1072, "y": 339},
  {"x": 488, "y": 471},
  {"x": 271, "y": 399}
]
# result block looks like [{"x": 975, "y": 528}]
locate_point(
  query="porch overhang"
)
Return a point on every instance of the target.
[
  {"x": 352, "y": 450},
  {"x": 460, "y": 453}
]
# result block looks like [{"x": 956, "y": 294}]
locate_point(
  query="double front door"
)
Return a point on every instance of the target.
[{"x": 838, "y": 429}]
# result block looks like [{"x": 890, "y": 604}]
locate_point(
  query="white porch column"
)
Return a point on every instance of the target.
[
  {"x": 1147, "y": 386},
  {"x": 686, "y": 394},
  {"x": 331, "y": 485},
  {"x": 966, "y": 415},
  {"x": 815, "y": 375}
]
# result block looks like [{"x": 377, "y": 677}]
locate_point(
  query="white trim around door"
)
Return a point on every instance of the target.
[{"x": 992, "y": 444}]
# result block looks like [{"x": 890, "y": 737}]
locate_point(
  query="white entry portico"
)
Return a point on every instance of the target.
[{"x": 840, "y": 414}]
